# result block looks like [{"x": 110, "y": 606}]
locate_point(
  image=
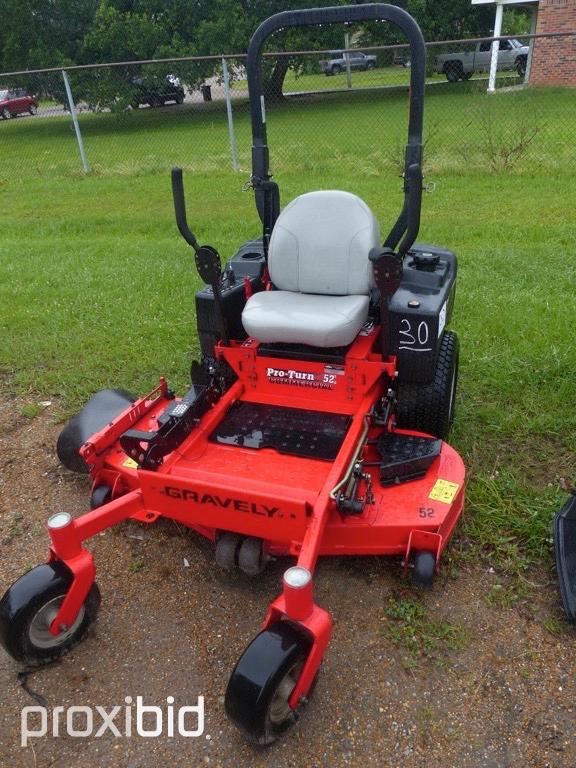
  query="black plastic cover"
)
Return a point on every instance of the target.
[
  {"x": 405, "y": 457},
  {"x": 248, "y": 262},
  {"x": 336, "y": 355},
  {"x": 421, "y": 309},
  {"x": 98, "y": 411},
  {"x": 565, "y": 549}
]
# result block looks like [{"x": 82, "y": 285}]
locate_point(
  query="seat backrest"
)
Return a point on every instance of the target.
[{"x": 320, "y": 244}]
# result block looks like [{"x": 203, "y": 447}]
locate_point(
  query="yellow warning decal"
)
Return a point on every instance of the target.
[
  {"x": 444, "y": 491},
  {"x": 130, "y": 463}
]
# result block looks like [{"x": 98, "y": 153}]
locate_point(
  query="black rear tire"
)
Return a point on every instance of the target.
[
  {"x": 429, "y": 407},
  {"x": 454, "y": 71},
  {"x": 263, "y": 680},
  {"x": 564, "y": 534}
]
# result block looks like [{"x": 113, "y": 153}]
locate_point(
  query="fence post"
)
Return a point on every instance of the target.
[
  {"x": 532, "y": 41},
  {"x": 495, "y": 49},
  {"x": 229, "y": 113},
  {"x": 347, "y": 55},
  {"x": 72, "y": 107}
]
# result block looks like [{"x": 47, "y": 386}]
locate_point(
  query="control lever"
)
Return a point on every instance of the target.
[
  {"x": 206, "y": 257},
  {"x": 387, "y": 267},
  {"x": 148, "y": 449}
]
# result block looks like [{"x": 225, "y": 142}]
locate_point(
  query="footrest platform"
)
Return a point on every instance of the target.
[
  {"x": 293, "y": 431},
  {"x": 405, "y": 457}
]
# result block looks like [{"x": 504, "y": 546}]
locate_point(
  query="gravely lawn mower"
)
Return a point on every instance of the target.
[{"x": 315, "y": 423}]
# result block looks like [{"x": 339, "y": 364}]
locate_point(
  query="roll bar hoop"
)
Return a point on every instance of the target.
[{"x": 266, "y": 191}]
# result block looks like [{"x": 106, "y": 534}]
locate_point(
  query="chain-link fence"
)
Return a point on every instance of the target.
[{"x": 346, "y": 107}]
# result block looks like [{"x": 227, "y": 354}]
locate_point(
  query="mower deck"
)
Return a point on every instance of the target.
[
  {"x": 228, "y": 480},
  {"x": 261, "y": 470}
]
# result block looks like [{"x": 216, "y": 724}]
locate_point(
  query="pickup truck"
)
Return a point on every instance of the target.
[
  {"x": 512, "y": 54},
  {"x": 157, "y": 93},
  {"x": 337, "y": 62}
]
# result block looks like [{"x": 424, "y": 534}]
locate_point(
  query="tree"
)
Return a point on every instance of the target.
[
  {"x": 142, "y": 29},
  {"x": 451, "y": 19},
  {"x": 41, "y": 33},
  {"x": 231, "y": 23}
]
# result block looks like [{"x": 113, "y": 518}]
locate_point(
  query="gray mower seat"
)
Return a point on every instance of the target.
[{"x": 318, "y": 261}]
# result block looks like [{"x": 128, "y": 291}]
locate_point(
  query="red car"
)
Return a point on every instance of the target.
[{"x": 15, "y": 101}]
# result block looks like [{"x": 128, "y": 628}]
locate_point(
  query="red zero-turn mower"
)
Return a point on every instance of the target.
[{"x": 314, "y": 426}]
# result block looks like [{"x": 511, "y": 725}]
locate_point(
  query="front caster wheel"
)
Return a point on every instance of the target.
[
  {"x": 28, "y": 609},
  {"x": 424, "y": 567},
  {"x": 263, "y": 680}
]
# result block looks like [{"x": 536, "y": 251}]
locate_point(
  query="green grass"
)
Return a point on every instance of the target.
[
  {"x": 379, "y": 77},
  {"x": 97, "y": 289},
  {"x": 48, "y": 103},
  {"x": 408, "y": 626},
  {"x": 30, "y": 410}
]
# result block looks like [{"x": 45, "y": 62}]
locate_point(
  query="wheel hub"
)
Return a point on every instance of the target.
[
  {"x": 39, "y": 631},
  {"x": 280, "y": 709}
]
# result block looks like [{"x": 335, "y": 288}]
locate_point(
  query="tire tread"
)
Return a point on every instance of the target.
[{"x": 426, "y": 407}]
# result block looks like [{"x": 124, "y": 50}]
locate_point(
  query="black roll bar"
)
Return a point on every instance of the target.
[{"x": 266, "y": 191}]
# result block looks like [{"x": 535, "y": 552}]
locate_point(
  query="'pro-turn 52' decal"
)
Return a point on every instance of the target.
[{"x": 326, "y": 379}]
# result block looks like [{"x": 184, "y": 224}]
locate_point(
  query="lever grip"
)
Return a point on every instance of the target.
[{"x": 180, "y": 208}]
